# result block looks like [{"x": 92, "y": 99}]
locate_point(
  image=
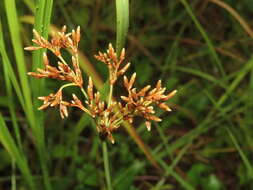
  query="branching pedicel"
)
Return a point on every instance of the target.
[{"x": 107, "y": 118}]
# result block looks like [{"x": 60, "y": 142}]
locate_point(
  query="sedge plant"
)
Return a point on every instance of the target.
[{"x": 110, "y": 114}]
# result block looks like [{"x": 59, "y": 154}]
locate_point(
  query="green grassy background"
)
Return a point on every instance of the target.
[{"x": 201, "y": 48}]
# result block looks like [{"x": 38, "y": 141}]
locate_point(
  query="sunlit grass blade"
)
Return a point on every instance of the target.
[
  {"x": 41, "y": 25},
  {"x": 14, "y": 28},
  {"x": 7, "y": 140},
  {"x": 42, "y": 21},
  {"x": 122, "y": 17},
  {"x": 34, "y": 122}
]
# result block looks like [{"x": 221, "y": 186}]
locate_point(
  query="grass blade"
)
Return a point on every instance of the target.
[
  {"x": 205, "y": 36},
  {"x": 7, "y": 80},
  {"x": 122, "y": 16},
  {"x": 35, "y": 122},
  {"x": 14, "y": 28},
  {"x": 42, "y": 21},
  {"x": 241, "y": 153},
  {"x": 10, "y": 146}
]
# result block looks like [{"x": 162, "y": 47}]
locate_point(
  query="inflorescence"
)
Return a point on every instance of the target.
[{"x": 107, "y": 115}]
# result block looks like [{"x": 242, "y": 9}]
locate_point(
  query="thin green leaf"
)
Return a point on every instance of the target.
[
  {"x": 205, "y": 36},
  {"x": 241, "y": 153},
  {"x": 122, "y": 16},
  {"x": 7, "y": 140}
]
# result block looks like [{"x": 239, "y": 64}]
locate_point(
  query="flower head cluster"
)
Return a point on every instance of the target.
[
  {"x": 108, "y": 115},
  {"x": 141, "y": 102},
  {"x": 59, "y": 40},
  {"x": 62, "y": 72},
  {"x": 111, "y": 59}
]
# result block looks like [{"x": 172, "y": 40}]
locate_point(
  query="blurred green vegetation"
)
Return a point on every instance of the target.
[{"x": 199, "y": 47}]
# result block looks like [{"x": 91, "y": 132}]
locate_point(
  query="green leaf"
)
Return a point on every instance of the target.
[
  {"x": 122, "y": 16},
  {"x": 8, "y": 143}
]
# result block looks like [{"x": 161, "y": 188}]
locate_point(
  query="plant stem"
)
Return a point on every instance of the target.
[
  {"x": 106, "y": 166},
  {"x": 13, "y": 176},
  {"x": 105, "y": 152},
  {"x": 84, "y": 93},
  {"x": 110, "y": 95},
  {"x": 62, "y": 60},
  {"x": 66, "y": 85}
]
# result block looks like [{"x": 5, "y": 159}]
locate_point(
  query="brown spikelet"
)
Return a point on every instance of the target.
[
  {"x": 164, "y": 106},
  {"x": 132, "y": 80},
  {"x": 148, "y": 125},
  {"x": 32, "y": 48},
  {"x": 90, "y": 89},
  {"x": 124, "y": 69}
]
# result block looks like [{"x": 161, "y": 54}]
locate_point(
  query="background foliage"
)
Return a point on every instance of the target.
[{"x": 202, "y": 48}]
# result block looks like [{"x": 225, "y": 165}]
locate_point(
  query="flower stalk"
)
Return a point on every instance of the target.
[{"x": 106, "y": 166}]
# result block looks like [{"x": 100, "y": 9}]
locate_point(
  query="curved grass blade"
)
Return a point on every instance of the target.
[
  {"x": 8, "y": 77},
  {"x": 7, "y": 140},
  {"x": 205, "y": 36}
]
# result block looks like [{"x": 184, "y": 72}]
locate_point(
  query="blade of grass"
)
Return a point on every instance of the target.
[
  {"x": 9, "y": 88},
  {"x": 12, "y": 108},
  {"x": 205, "y": 36},
  {"x": 13, "y": 175},
  {"x": 203, "y": 126},
  {"x": 169, "y": 171},
  {"x": 236, "y": 15},
  {"x": 14, "y": 28},
  {"x": 122, "y": 17},
  {"x": 241, "y": 153},
  {"x": 200, "y": 74},
  {"x": 240, "y": 75},
  {"x": 233, "y": 138},
  {"x": 134, "y": 168},
  {"x": 13, "y": 23},
  {"x": 30, "y": 5},
  {"x": 173, "y": 165},
  {"x": 10, "y": 146},
  {"x": 42, "y": 21}
]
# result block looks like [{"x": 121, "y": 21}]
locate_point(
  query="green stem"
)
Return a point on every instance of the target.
[
  {"x": 13, "y": 176},
  {"x": 66, "y": 85},
  {"x": 106, "y": 166},
  {"x": 110, "y": 95},
  {"x": 84, "y": 93},
  {"x": 62, "y": 60}
]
